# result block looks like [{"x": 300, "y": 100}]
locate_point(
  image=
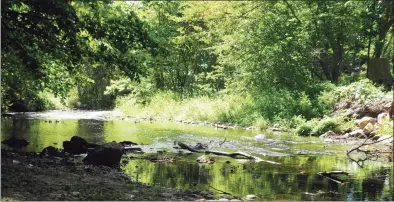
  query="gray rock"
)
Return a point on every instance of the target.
[
  {"x": 356, "y": 133},
  {"x": 327, "y": 134}
]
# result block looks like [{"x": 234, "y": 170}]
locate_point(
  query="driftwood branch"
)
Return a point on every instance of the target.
[
  {"x": 328, "y": 175},
  {"x": 235, "y": 155}
]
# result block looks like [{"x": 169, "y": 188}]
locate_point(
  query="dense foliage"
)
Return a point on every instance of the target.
[{"x": 240, "y": 62}]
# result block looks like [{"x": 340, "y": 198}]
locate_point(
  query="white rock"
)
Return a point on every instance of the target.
[
  {"x": 260, "y": 137},
  {"x": 250, "y": 197},
  {"x": 365, "y": 120}
]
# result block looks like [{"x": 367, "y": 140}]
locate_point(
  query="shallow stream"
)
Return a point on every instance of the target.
[{"x": 296, "y": 178}]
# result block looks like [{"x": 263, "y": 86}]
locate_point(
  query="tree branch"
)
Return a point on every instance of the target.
[{"x": 292, "y": 11}]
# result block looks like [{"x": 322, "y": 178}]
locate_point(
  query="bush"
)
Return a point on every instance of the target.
[{"x": 324, "y": 126}]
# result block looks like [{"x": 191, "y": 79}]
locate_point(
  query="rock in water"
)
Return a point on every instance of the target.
[
  {"x": 15, "y": 142},
  {"x": 79, "y": 140},
  {"x": 260, "y": 137},
  {"x": 107, "y": 155},
  {"x": 77, "y": 145},
  {"x": 74, "y": 148}
]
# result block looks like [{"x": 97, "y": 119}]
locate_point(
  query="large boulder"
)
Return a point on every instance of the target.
[
  {"x": 365, "y": 120},
  {"x": 107, "y": 155},
  {"x": 15, "y": 142}
]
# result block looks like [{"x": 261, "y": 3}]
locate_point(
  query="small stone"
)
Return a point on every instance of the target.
[
  {"x": 222, "y": 199},
  {"x": 209, "y": 196},
  {"x": 75, "y": 193},
  {"x": 250, "y": 197},
  {"x": 167, "y": 195},
  {"x": 16, "y": 162},
  {"x": 235, "y": 200}
]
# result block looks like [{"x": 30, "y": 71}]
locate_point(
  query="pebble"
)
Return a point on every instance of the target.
[
  {"x": 222, "y": 199},
  {"x": 167, "y": 195},
  {"x": 75, "y": 193},
  {"x": 250, "y": 197}
]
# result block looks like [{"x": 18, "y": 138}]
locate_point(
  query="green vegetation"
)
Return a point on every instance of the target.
[{"x": 260, "y": 63}]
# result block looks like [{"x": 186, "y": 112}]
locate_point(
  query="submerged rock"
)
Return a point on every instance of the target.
[
  {"x": 107, "y": 155},
  {"x": 15, "y": 142},
  {"x": 74, "y": 148},
  {"x": 200, "y": 146}
]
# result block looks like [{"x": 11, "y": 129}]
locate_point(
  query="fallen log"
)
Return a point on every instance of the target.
[
  {"x": 336, "y": 172},
  {"x": 235, "y": 155},
  {"x": 332, "y": 178}
]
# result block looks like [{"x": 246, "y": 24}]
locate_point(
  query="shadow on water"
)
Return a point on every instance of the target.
[{"x": 295, "y": 178}]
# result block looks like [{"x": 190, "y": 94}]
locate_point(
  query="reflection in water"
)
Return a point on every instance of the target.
[
  {"x": 266, "y": 181},
  {"x": 288, "y": 181}
]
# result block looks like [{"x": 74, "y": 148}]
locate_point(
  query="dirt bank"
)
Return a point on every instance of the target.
[{"x": 26, "y": 176}]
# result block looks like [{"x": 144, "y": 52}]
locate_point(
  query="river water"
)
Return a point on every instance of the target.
[{"x": 296, "y": 178}]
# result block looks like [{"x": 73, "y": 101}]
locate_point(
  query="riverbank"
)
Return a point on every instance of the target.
[{"x": 26, "y": 176}]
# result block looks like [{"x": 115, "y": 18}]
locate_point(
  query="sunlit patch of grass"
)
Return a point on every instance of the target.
[{"x": 385, "y": 127}]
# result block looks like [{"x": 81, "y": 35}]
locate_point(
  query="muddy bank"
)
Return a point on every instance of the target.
[{"x": 26, "y": 176}]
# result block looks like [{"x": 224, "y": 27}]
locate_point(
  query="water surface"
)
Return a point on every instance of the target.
[{"x": 295, "y": 178}]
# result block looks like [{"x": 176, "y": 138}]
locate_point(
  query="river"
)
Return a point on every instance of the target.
[{"x": 296, "y": 178}]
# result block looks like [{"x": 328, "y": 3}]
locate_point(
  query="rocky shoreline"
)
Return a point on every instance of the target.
[{"x": 29, "y": 176}]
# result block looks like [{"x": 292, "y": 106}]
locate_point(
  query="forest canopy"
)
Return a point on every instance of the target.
[{"x": 271, "y": 59}]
